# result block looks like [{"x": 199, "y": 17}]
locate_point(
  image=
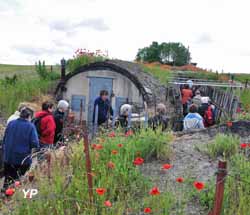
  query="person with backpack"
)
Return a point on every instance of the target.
[
  {"x": 59, "y": 117},
  {"x": 193, "y": 120},
  {"x": 45, "y": 125},
  {"x": 207, "y": 112},
  {"x": 19, "y": 139},
  {"x": 186, "y": 97}
]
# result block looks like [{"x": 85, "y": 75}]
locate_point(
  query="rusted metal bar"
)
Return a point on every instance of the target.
[
  {"x": 219, "y": 193},
  {"x": 88, "y": 167}
]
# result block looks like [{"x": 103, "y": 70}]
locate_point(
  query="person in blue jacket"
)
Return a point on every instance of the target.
[
  {"x": 104, "y": 108},
  {"x": 19, "y": 139}
]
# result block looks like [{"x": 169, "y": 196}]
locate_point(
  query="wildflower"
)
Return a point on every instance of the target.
[
  {"x": 199, "y": 185},
  {"x": 154, "y": 191},
  {"x": 112, "y": 134},
  {"x": 147, "y": 210},
  {"x": 243, "y": 145},
  {"x": 98, "y": 147},
  {"x": 108, "y": 203},
  {"x": 180, "y": 180},
  {"x": 129, "y": 133},
  {"x": 100, "y": 191},
  {"x": 93, "y": 146},
  {"x": 10, "y": 192},
  {"x": 229, "y": 124},
  {"x": 111, "y": 165},
  {"x": 120, "y": 145},
  {"x": 114, "y": 152},
  {"x": 138, "y": 161},
  {"x": 166, "y": 166},
  {"x": 17, "y": 183}
]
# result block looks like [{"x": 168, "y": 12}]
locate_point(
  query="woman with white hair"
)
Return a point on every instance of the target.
[{"x": 59, "y": 116}]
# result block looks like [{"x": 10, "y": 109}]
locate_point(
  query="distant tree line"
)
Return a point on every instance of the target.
[{"x": 171, "y": 53}]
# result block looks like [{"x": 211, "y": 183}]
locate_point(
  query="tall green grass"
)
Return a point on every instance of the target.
[
  {"x": 162, "y": 75},
  {"x": 223, "y": 146},
  {"x": 126, "y": 187},
  {"x": 23, "y": 90},
  {"x": 245, "y": 99}
]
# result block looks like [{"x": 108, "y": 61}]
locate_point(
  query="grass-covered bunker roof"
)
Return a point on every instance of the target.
[{"x": 150, "y": 88}]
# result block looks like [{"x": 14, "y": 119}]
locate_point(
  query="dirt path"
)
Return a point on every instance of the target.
[{"x": 188, "y": 163}]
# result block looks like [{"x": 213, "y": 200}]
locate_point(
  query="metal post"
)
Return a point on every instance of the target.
[
  {"x": 88, "y": 167},
  {"x": 113, "y": 119},
  {"x": 129, "y": 119},
  {"x": 146, "y": 115},
  {"x": 81, "y": 109},
  {"x": 96, "y": 119},
  {"x": 220, "y": 182}
]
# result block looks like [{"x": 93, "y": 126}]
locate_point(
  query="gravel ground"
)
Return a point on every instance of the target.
[{"x": 188, "y": 163}]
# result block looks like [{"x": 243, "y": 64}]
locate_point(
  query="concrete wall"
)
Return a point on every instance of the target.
[{"x": 122, "y": 87}]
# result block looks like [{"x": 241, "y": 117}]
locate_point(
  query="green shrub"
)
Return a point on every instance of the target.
[
  {"x": 223, "y": 145},
  {"x": 43, "y": 72}
]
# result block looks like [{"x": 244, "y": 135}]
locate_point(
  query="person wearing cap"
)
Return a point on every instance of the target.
[
  {"x": 193, "y": 120},
  {"x": 197, "y": 99},
  {"x": 59, "y": 117},
  {"x": 19, "y": 139}
]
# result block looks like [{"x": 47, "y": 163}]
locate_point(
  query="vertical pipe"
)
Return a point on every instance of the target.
[
  {"x": 88, "y": 167},
  {"x": 96, "y": 119},
  {"x": 129, "y": 119},
  {"x": 146, "y": 115},
  {"x": 81, "y": 109},
  {"x": 114, "y": 118},
  {"x": 219, "y": 193}
]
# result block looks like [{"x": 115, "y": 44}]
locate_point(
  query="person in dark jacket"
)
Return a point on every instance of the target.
[
  {"x": 104, "y": 108},
  {"x": 19, "y": 139},
  {"x": 59, "y": 117},
  {"x": 47, "y": 125}
]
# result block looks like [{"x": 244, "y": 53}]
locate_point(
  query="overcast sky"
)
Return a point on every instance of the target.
[{"x": 217, "y": 31}]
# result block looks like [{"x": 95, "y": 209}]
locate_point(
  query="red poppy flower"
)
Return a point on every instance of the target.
[
  {"x": 180, "y": 180},
  {"x": 199, "y": 185},
  {"x": 147, "y": 210},
  {"x": 243, "y": 145},
  {"x": 10, "y": 192},
  {"x": 17, "y": 183},
  {"x": 248, "y": 144},
  {"x": 98, "y": 147},
  {"x": 120, "y": 145},
  {"x": 138, "y": 161},
  {"x": 112, "y": 134},
  {"x": 100, "y": 191},
  {"x": 166, "y": 166},
  {"x": 93, "y": 146},
  {"x": 108, "y": 203},
  {"x": 154, "y": 191},
  {"x": 129, "y": 133},
  {"x": 111, "y": 165},
  {"x": 229, "y": 124},
  {"x": 114, "y": 152}
]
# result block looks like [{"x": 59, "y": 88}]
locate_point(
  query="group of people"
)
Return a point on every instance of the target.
[
  {"x": 25, "y": 133},
  {"x": 198, "y": 110}
]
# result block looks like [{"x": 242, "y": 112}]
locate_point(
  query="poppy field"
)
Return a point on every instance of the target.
[{"x": 119, "y": 187}]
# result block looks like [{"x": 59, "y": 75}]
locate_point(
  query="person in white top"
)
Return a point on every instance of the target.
[{"x": 16, "y": 115}]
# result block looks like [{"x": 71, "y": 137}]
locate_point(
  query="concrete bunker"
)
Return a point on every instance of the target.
[{"x": 127, "y": 83}]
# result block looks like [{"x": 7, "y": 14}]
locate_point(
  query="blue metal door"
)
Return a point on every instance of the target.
[{"x": 95, "y": 86}]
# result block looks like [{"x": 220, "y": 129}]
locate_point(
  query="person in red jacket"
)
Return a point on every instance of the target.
[{"x": 47, "y": 125}]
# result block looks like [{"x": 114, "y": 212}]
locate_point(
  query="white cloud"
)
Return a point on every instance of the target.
[{"x": 215, "y": 30}]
